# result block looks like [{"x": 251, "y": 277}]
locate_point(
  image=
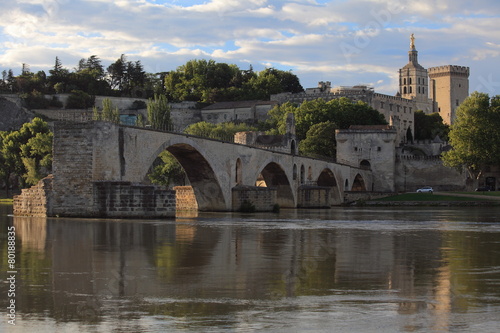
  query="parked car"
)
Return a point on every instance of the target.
[
  {"x": 425, "y": 189},
  {"x": 484, "y": 188}
]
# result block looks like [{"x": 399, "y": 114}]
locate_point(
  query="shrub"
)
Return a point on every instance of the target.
[{"x": 79, "y": 100}]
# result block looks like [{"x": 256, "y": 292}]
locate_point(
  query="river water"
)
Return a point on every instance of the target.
[{"x": 338, "y": 270}]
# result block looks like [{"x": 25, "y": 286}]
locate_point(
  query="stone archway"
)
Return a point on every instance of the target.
[
  {"x": 358, "y": 184},
  {"x": 274, "y": 176},
  {"x": 327, "y": 179},
  {"x": 202, "y": 177}
]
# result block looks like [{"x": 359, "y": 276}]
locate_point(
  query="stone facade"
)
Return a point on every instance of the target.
[
  {"x": 415, "y": 171},
  {"x": 449, "y": 88},
  {"x": 314, "y": 197},
  {"x": 36, "y": 200},
  {"x": 403, "y": 169},
  {"x": 373, "y": 148},
  {"x": 84, "y": 185},
  {"x": 185, "y": 198},
  {"x": 263, "y": 198},
  {"x": 127, "y": 200}
]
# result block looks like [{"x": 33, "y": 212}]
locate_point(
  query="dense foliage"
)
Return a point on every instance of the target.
[
  {"x": 428, "y": 126},
  {"x": 197, "y": 80},
  {"x": 474, "y": 135},
  {"x": 316, "y": 121},
  {"x": 208, "y": 81},
  {"x": 26, "y": 154}
]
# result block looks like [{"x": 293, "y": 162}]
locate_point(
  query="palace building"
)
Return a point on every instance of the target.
[{"x": 438, "y": 89}]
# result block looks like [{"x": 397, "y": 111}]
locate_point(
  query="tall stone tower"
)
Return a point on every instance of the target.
[
  {"x": 413, "y": 82},
  {"x": 449, "y": 86}
]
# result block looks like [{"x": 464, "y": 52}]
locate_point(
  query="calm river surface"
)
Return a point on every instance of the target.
[{"x": 338, "y": 270}]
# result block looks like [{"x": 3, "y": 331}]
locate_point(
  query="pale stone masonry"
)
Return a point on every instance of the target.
[
  {"x": 448, "y": 89},
  {"x": 36, "y": 200},
  {"x": 439, "y": 89},
  {"x": 185, "y": 198}
]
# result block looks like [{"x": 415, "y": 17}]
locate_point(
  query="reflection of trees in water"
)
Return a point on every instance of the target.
[{"x": 76, "y": 269}]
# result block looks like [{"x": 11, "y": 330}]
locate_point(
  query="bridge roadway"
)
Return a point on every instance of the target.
[{"x": 86, "y": 153}]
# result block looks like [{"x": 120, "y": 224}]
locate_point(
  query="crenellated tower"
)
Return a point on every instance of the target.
[{"x": 449, "y": 86}]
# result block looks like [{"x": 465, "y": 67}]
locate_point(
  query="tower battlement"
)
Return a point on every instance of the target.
[{"x": 449, "y": 69}]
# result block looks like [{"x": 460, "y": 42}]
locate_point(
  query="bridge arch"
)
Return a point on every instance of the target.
[
  {"x": 275, "y": 176},
  {"x": 206, "y": 187},
  {"x": 358, "y": 184},
  {"x": 327, "y": 179}
]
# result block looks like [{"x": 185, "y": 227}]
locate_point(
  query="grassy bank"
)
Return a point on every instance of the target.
[
  {"x": 452, "y": 198},
  {"x": 428, "y": 197}
]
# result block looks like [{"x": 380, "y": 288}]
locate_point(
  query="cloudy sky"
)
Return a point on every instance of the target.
[{"x": 345, "y": 42}]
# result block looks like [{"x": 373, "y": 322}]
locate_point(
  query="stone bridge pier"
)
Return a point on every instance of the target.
[{"x": 100, "y": 169}]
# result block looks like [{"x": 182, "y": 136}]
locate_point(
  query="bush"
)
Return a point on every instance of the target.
[
  {"x": 138, "y": 105},
  {"x": 79, "y": 100},
  {"x": 35, "y": 100}
]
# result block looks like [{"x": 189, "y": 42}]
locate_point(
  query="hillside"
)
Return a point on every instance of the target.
[{"x": 12, "y": 115}]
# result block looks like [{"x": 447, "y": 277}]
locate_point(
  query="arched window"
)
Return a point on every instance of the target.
[
  {"x": 404, "y": 81},
  {"x": 410, "y": 80},
  {"x": 309, "y": 174},
  {"x": 302, "y": 174},
  {"x": 295, "y": 172},
  {"x": 410, "y": 90},
  {"x": 365, "y": 164},
  {"x": 404, "y": 90}
]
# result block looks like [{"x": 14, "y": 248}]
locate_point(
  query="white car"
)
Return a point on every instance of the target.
[{"x": 425, "y": 189}]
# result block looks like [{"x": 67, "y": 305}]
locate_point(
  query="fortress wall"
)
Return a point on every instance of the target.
[{"x": 415, "y": 171}]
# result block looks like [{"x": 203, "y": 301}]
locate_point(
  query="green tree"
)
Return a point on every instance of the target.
[
  {"x": 79, "y": 100},
  {"x": 207, "y": 81},
  {"x": 320, "y": 141},
  {"x": 108, "y": 112},
  {"x": 159, "y": 113},
  {"x": 222, "y": 131},
  {"x": 474, "y": 135},
  {"x": 26, "y": 153},
  {"x": 341, "y": 111},
  {"x": 427, "y": 127},
  {"x": 167, "y": 171},
  {"x": 59, "y": 77}
]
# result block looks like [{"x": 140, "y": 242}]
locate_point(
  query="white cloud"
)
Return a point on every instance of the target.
[{"x": 304, "y": 35}]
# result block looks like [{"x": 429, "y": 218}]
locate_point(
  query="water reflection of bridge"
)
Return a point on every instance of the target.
[
  {"x": 86, "y": 154},
  {"x": 88, "y": 270}
]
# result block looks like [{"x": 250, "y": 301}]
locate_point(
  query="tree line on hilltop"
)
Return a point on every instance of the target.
[{"x": 204, "y": 81}]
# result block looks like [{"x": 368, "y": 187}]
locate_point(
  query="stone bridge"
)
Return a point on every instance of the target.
[{"x": 88, "y": 157}]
